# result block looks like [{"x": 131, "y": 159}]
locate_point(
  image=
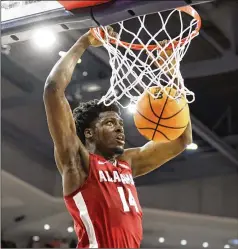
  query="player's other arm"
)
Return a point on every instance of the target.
[
  {"x": 71, "y": 156},
  {"x": 154, "y": 154}
]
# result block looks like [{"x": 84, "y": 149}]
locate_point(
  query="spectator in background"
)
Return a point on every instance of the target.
[
  {"x": 73, "y": 243},
  {"x": 64, "y": 243},
  {"x": 8, "y": 244}
]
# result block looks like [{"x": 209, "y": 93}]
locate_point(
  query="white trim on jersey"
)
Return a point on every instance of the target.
[
  {"x": 123, "y": 166},
  {"x": 84, "y": 215}
]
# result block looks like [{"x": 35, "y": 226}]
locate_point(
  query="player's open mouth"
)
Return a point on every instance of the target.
[{"x": 121, "y": 139}]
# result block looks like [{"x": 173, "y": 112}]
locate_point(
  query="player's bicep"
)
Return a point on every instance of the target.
[
  {"x": 60, "y": 119},
  {"x": 152, "y": 155}
]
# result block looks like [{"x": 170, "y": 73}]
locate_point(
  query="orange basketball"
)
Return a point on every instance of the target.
[{"x": 161, "y": 119}]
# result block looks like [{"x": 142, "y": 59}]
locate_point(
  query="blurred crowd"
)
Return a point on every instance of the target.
[{"x": 55, "y": 243}]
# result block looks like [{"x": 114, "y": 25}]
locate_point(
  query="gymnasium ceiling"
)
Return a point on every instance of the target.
[{"x": 210, "y": 69}]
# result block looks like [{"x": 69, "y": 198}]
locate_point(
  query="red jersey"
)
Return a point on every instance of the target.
[{"x": 106, "y": 209}]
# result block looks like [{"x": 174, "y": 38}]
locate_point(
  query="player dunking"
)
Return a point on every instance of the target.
[{"x": 97, "y": 172}]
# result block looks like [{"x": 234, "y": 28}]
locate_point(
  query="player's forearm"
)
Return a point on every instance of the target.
[{"x": 62, "y": 72}]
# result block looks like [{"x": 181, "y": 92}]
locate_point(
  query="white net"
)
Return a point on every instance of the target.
[{"x": 151, "y": 62}]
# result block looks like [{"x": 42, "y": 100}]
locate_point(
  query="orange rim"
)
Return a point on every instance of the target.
[{"x": 186, "y": 9}]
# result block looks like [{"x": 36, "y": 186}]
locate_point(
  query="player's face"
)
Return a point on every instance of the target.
[{"x": 109, "y": 133}]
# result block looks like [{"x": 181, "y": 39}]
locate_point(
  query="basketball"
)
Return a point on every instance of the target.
[{"x": 161, "y": 119}]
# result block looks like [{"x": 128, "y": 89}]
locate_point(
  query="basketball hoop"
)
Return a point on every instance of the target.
[{"x": 133, "y": 70}]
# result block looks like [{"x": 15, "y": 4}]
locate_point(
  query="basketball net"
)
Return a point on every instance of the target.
[{"x": 137, "y": 67}]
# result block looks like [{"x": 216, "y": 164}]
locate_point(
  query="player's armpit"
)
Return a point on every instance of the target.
[
  {"x": 153, "y": 154},
  {"x": 72, "y": 171}
]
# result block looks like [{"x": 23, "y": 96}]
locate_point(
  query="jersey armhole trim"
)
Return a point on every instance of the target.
[{"x": 70, "y": 196}]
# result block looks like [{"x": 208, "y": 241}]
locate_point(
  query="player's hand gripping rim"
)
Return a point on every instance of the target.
[{"x": 95, "y": 42}]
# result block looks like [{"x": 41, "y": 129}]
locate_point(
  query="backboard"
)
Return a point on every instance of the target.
[{"x": 19, "y": 18}]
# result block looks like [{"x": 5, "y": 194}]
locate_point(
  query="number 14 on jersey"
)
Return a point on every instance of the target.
[{"x": 127, "y": 204}]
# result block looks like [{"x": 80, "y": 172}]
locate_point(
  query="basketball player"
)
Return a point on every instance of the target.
[{"x": 97, "y": 173}]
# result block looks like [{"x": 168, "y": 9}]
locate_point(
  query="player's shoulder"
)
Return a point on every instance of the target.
[{"x": 126, "y": 157}]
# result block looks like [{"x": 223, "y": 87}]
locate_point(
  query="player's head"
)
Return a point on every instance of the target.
[{"x": 100, "y": 127}]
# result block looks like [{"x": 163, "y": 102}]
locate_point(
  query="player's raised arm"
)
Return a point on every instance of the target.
[
  {"x": 59, "y": 116},
  {"x": 154, "y": 154}
]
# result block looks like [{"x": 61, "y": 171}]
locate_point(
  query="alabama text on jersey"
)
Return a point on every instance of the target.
[{"x": 106, "y": 210}]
